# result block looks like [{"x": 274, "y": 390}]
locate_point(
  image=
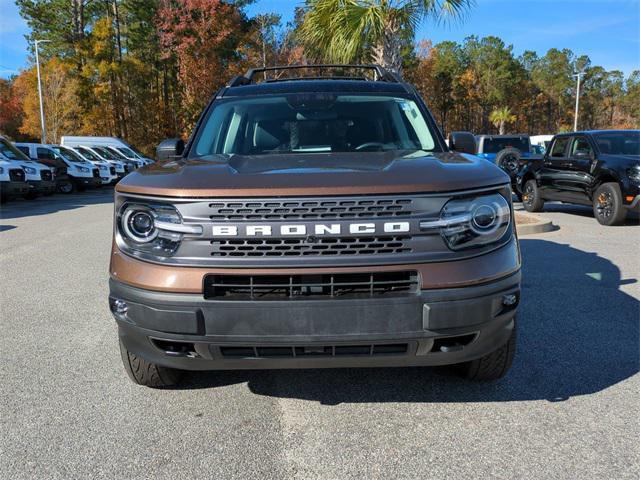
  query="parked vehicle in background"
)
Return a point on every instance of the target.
[
  {"x": 107, "y": 170},
  {"x": 70, "y": 175},
  {"x": 107, "y": 154},
  {"x": 539, "y": 144},
  {"x": 39, "y": 177},
  {"x": 93, "y": 156},
  {"x": 315, "y": 223},
  {"x": 121, "y": 146},
  {"x": 130, "y": 155},
  {"x": 134, "y": 162},
  {"x": 598, "y": 168},
  {"x": 12, "y": 179}
]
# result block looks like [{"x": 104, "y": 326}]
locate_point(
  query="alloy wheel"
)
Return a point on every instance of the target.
[{"x": 604, "y": 205}]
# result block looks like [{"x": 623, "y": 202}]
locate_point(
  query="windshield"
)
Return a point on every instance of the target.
[
  {"x": 494, "y": 145},
  {"x": 89, "y": 154},
  {"x": 619, "y": 143},
  {"x": 106, "y": 153},
  {"x": 12, "y": 153},
  {"x": 69, "y": 155},
  {"x": 127, "y": 152},
  {"x": 313, "y": 123}
]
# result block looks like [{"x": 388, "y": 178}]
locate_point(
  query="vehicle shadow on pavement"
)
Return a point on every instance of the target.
[
  {"x": 21, "y": 208},
  {"x": 578, "y": 334}
]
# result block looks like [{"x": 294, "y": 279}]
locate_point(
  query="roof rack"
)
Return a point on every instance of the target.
[{"x": 379, "y": 74}]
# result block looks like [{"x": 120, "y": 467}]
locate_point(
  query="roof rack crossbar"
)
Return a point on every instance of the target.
[{"x": 380, "y": 73}]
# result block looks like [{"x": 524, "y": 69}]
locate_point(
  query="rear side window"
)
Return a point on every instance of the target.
[
  {"x": 560, "y": 146},
  {"x": 44, "y": 154},
  {"x": 24, "y": 150},
  {"x": 580, "y": 146},
  {"x": 494, "y": 145}
]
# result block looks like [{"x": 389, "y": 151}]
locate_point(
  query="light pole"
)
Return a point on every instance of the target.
[
  {"x": 43, "y": 132},
  {"x": 575, "y": 117}
]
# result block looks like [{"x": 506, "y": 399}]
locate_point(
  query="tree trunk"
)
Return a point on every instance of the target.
[
  {"x": 501, "y": 127},
  {"x": 386, "y": 51}
]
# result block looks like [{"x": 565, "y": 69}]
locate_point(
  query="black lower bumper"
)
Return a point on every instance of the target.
[
  {"x": 13, "y": 189},
  {"x": 87, "y": 182},
  {"x": 41, "y": 187},
  {"x": 435, "y": 327}
]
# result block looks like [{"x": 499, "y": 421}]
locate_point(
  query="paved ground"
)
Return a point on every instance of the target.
[{"x": 568, "y": 409}]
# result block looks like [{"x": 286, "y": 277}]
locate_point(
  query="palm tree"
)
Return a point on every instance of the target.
[
  {"x": 344, "y": 30},
  {"x": 500, "y": 117}
]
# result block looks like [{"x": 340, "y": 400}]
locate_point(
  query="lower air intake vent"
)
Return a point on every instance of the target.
[
  {"x": 314, "y": 351},
  {"x": 308, "y": 287}
]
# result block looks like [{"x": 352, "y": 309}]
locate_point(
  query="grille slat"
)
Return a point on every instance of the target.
[
  {"x": 16, "y": 175},
  {"x": 294, "y": 287},
  {"x": 45, "y": 175},
  {"x": 310, "y": 210},
  {"x": 321, "y": 246}
]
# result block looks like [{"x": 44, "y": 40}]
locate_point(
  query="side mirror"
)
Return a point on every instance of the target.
[
  {"x": 463, "y": 142},
  {"x": 169, "y": 149}
]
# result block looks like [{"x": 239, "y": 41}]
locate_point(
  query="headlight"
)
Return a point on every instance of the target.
[
  {"x": 154, "y": 229},
  {"x": 83, "y": 169},
  {"x": 29, "y": 170},
  {"x": 634, "y": 173},
  {"x": 103, "y": 167},
  {"x": 472, "y": 222}
]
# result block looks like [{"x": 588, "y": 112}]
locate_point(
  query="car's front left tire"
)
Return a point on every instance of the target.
[
  {"x": 494, "y": 365},
  {"x": 146, "y": 373}
]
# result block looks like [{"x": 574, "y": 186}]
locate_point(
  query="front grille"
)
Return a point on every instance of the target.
[
  {"x": 310, "y": 209},
  {"x": 314, "y": 351},
  {"x": 45, "y": 175},
  {"x": 96, "y": 173},
  {"x": 112, "y": 170},
  {"x": 16, "y": 175},
  {"x": 377, "y": 245},
  {"x": 310, "y": 287}
]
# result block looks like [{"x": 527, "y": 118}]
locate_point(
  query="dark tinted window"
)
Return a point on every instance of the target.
[
  {"x": 580, "y": 146},
  {"x": 619, "y": 143},
  {"x": 11, "y": 152},
  {"x": 24, "y": 150},
  {"x": 44, "y": 154},
  {"x": 494, "y": 145},
  {"x": 560, "y": 146}
]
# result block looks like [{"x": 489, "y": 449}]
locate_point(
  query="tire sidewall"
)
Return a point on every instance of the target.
[
  {"x": 503, "y": 155},
  {"x": 618, "y": 214}
]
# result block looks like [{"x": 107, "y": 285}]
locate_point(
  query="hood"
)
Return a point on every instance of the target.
[
  {"x": 314, "y": 174},
  {"x": 619, "y": 158}
]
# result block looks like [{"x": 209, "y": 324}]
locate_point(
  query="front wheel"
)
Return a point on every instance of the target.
[
  {"x": 531, "y": 200},
  {"x": 147, "y": 373},
  {"x": 66, "y": 187},
  {"x": 494, "y": 365},
  {"x": 607, "y": 205}
]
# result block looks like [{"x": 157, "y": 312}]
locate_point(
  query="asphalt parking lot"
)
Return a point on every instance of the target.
[{"x": 568, "y": 409}]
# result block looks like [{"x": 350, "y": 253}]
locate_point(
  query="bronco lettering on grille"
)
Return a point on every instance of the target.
[{"x": 303, "y": 230}]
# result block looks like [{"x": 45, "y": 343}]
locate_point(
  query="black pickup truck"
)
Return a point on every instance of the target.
[{"x": 597, "y": 168}]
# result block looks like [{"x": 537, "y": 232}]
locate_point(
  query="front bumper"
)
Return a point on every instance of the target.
[
  {"x": 87, "y": 182},
  {"x": 434, "y": 327},
  {"x": 13, "y": 189},
  {"x": 42, "y": 187}
]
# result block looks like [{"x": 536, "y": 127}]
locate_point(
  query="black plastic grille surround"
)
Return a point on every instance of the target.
[
  {"x": 16, "y": 175},
  {"x": 310, "y": 209},
  {"x": 310, "y": 286},
  {"x": 376, "y": 245},
  {"x": 46, "y": 175},
  {"x": 368, "y": 350}
]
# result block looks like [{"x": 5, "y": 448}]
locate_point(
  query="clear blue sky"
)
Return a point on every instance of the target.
[{"x": 608, "y": 31}]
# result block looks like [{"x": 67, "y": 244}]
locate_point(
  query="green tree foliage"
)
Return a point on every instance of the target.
[{"x": 347, "y": 30}]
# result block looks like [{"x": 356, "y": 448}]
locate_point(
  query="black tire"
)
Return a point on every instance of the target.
[
  {"x": 531, "y": 200},
  {"x": 67, "y": 187},
  {"x": 494, "y": 365},
  {"x": 508, "y": 160},
  {"x": 607, "y": 205},
  {"x": 146, "y": 373}
]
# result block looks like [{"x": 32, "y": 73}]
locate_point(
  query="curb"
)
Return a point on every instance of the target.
[{"x": 539, "y": 226}]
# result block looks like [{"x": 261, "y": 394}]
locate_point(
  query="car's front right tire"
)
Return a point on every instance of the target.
[
  {"x": 146, "y": 373},
  {"x": 607, "y": 205}
]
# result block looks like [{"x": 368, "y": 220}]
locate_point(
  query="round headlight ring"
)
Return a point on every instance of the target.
[{"x": 138, "y": 224}]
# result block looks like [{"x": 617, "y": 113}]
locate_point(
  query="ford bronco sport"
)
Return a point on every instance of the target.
[{"x": 315, "y": 222}]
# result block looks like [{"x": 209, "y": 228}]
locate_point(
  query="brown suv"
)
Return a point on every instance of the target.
[{"x": 315, "y": 222}]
